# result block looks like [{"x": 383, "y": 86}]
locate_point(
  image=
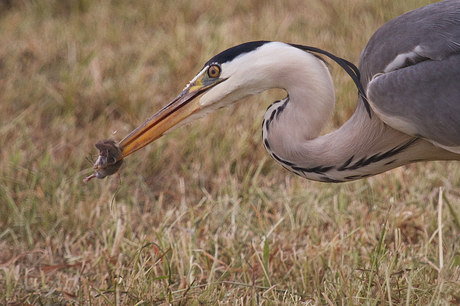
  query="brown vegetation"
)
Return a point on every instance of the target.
[{"x": 202, "y": 216}]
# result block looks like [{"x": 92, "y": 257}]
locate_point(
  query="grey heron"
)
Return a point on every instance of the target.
[{"x": 408, "y": 109}]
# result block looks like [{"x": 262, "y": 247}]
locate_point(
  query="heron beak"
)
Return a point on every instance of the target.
[{"x": 174, "y": 112}]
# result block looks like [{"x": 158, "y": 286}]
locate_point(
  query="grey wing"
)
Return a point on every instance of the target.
[
  {"x": 411, "y": 71},
  {"x": 422, "y": 100}
]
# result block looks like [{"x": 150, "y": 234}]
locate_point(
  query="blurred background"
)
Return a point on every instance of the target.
[{"x": 206, "y": 197}]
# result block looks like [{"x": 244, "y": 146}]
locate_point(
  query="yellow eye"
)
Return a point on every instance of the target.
[{"x": 214, "y": 71}]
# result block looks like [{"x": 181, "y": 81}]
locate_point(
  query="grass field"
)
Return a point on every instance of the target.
[{"x": 203, "y": 216}]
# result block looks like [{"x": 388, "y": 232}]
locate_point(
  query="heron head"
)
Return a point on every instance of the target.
[{"x": 224, "y": 79}]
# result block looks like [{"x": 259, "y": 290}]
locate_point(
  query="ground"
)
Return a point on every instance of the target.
[{"x": 202, "y": 216}]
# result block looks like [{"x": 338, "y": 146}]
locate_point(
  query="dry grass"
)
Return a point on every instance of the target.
[{"x": 202, "y": 216}]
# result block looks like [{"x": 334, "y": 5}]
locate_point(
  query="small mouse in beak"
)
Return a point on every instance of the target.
[{"x": 109, "y": 161}]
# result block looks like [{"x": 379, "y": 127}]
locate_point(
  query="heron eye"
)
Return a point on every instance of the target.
[{"x": 214, "y": 71}]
